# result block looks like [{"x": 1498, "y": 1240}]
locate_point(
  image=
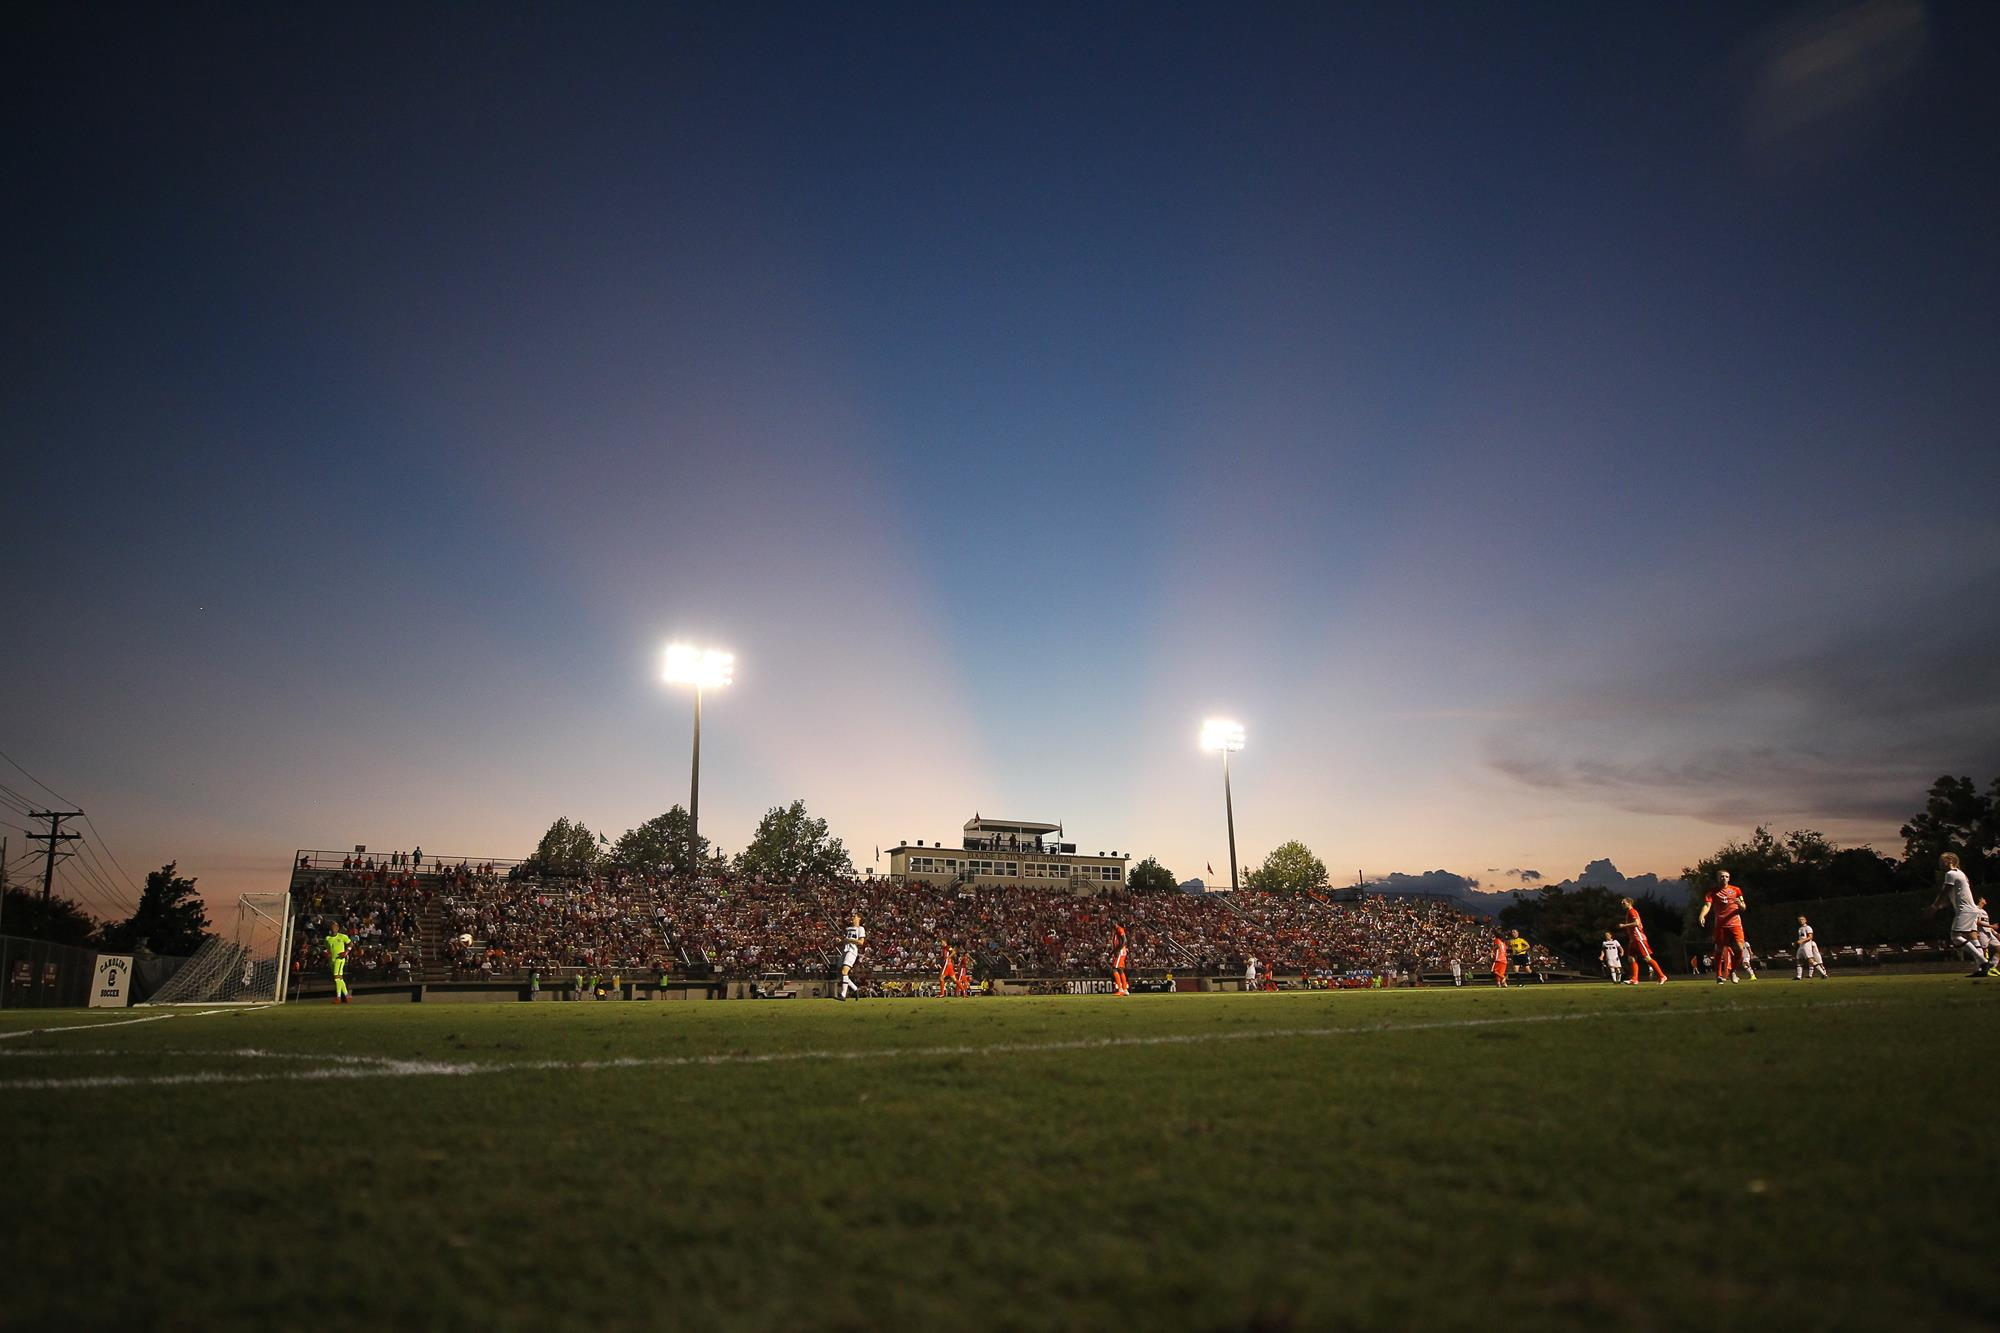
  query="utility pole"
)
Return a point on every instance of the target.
[{"x": 54, "y": 838}]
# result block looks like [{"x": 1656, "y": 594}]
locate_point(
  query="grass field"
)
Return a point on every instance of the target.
[{"x": 1684, "y": 1156}]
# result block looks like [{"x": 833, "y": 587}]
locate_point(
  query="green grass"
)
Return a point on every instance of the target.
[{"x": 1580, "y": 1156}]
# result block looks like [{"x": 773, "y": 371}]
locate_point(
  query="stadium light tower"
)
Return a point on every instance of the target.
[
  {"x": 703, "y": 668},
  {"x": 1220, "y": 734}
]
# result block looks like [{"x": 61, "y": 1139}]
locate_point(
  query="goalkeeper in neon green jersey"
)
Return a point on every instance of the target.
[{"x": 336, "y": 949}]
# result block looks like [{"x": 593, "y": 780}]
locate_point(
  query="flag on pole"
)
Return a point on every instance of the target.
[{"x": 1211, "y": 867}]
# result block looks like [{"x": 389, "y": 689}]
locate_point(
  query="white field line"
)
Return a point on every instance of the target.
[
  {"x": 81, "y": 1027},
  {"x": 125, "y": 1022},
  {"x": 346, "y": 1067}
]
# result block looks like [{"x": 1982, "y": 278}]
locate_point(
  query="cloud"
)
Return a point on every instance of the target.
[
  {"x": 1428, "y": 881},
  {"x": 1601, "y": 873},
  {"x": 1820, "y": 73},
  {"x": 1839, "y": 724}
]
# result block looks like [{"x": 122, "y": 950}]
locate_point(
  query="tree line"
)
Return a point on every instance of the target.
[
  {"x": 789, "y": 844},
  {"x": 170, "y": 918}
]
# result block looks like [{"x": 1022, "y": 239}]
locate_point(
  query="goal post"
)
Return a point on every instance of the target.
[{"x": 248, "y": 965}]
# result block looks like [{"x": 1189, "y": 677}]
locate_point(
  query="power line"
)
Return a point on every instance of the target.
[
  {"x": 88, "y": 823},
  {"x": 81, "y": 895},
  {"x": 37, "y": 781},
  {"x": 111, "y": 887},
  {"x": 105, "y": 845}
]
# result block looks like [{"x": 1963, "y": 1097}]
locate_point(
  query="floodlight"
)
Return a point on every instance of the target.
[
  {"x": 704, "y": 668},
  {"x": 1219, "y": 734}
]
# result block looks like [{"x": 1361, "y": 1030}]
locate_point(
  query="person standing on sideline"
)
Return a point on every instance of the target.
[
  {"x": 1457, "y": 971},
  {"x": 1250, "y": 974}
]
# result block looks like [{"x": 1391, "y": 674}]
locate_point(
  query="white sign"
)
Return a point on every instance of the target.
[{"x": 111, "y": 988}]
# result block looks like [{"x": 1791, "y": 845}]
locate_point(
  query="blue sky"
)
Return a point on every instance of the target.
[{"x": 1555, "y": 431}]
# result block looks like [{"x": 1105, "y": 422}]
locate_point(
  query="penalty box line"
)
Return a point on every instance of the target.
[{"x": 350, "y": 1067}]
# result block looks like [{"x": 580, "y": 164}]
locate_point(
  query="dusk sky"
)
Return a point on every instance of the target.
[{"x": 1554, "y": 431}]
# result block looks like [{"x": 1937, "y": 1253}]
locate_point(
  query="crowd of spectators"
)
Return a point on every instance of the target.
[
  {"x": 489, "y": 923},
  {"x": 383, "y": 921}
]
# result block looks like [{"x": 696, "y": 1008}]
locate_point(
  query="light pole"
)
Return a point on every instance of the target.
[
  {"x": 701, "y": 668},
  {"x": 1219, "y": 734}
]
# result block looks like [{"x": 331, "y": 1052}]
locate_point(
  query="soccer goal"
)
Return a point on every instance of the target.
[{"x": 246, "y": 966}]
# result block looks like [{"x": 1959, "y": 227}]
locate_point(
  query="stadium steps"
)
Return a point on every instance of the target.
[{"x": 430, "y": 936}]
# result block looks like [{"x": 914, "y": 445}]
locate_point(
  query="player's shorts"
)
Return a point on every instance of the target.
[
  {"x": 1729, "y": 932},
  {"x": 1965, "y": 923},
  {"x": 1640, "y": 947},
  {"x": 339, "y": 967},
  {"x": 848, "y": 954}
]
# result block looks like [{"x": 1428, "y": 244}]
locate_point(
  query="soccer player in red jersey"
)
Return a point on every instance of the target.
[
  {"x": 1118, "y": 981},
  {"x": 1636, "y": 946},
  {"x": 1500, "y": 961},
  {"x": 948, "y": 976},
  {"x": 1725, "y": 900}
]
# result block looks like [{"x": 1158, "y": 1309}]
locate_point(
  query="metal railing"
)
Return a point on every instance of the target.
[{"x": 309, "y": 859}]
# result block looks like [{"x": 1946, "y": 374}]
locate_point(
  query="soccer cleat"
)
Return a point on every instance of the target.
[{"x": 1993, "y": 971}]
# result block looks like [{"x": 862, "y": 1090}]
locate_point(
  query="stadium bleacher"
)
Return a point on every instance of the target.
[{"x": 461, "y": 920}]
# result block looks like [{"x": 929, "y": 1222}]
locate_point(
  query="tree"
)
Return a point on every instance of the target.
[
  {"x": 170, "y": 918},
  {"x": 1800, "y": 866},
  {"x": 1150, "y": 874},
  {"x": 661, "y": 844},
  {"x": 1957, "y": 817},
  {"x": 1290, "y": 868},
  {"x": 63, "y": 922},
  {"x": 568, "y": 848},
  {"x": 791, "y": 845}
]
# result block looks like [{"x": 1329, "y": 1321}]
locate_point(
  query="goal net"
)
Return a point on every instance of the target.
[{"x": 244, "y": 966}]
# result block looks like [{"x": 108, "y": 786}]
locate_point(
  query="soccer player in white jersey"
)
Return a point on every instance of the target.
[
  {"x": 1988, "y": 935},
  {"x": 1808, "y": 960},
  {"x": 1957, "y": 892},
  {"x": 850, "y": 950},
  {"x": 1611, "y": 952}
]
